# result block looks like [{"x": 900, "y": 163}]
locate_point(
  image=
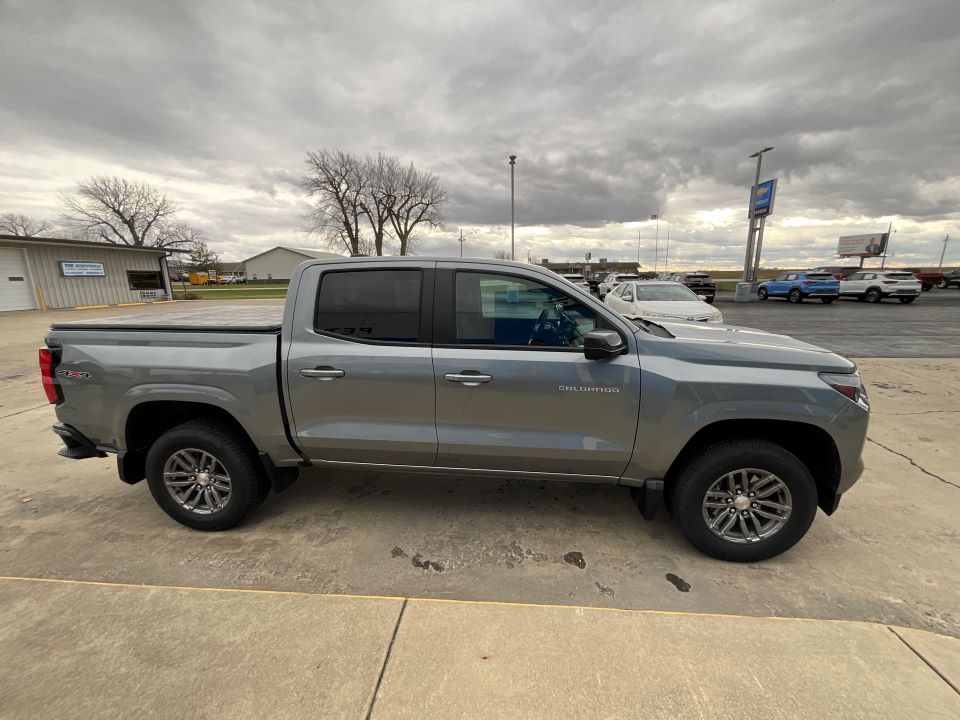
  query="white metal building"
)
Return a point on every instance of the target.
[
  {"x": 41, "y": 273},
  {"x": 278, "y": 263}
]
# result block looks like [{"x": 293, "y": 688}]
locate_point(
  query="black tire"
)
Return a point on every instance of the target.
[
  {"x": 233, "y": 452},
  {"x": 926, "y": 287},
  {"x": 762, "y": 293},
  {"x": 795, "y": 296},
  {"x": 701, "y": 470},
  {"x": 873, "y": 295},
  {"x": 907, "y": 300},
  {"x": 709, "y": 299},
  {"x": 827, "y": 300}
]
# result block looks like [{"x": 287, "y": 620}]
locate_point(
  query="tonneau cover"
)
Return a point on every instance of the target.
[{"x": 240, "y": 318}]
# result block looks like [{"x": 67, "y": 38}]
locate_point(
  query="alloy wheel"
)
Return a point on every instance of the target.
[
  {"x": 197, "y": 481},
  {"x": 747, "y": 505}
]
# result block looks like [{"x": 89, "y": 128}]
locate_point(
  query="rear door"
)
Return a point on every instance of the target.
[
  {"x": 514, "y": 390},
  {"x": 359, "y": 372}
]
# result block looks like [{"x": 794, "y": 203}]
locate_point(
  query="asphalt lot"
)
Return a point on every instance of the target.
[
  {"x": 929, "y": 327},
  {"x": 888, "y": 554}
]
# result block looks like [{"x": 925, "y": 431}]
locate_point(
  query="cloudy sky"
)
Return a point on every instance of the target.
[{"x": 614, "y": 109}]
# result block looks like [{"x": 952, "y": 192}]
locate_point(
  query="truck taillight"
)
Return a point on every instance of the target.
[
  {"x": 847, "y": 384},
  {"x": 50, "y": 386}
]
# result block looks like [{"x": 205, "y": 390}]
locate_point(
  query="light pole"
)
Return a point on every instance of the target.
[
  {"x": 943, "y": 252},
  {"x": 513, "y": 162},
  {"x": 463, "y": 239},
  {"x": 748, "y": 264}
]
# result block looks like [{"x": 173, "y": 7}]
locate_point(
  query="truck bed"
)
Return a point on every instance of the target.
[{"x": 242, "y": 318}]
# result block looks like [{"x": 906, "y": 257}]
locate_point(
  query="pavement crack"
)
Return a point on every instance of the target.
[
  {"x": 919, "y": 412},
  {"x": 20, "y": 412},
  {"x": 386, "y": 660},
  {"x": 911, "y": 461},
  {"x": 925, "y": 661}
]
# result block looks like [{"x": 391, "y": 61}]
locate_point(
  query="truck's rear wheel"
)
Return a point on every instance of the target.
[
  {"x": 744, "y": 500},
  {"x": 204, "y": 476}
]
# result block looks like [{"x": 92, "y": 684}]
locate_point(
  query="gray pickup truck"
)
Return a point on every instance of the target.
[{"x": 472, "y": 367}]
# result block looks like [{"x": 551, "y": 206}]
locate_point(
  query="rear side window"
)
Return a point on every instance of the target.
[
  {"x": 370, "y": 305},
  {"x": 820, "y": 276}
]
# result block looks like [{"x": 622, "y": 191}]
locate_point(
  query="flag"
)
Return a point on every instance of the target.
[{"x": 653, "y": 217}]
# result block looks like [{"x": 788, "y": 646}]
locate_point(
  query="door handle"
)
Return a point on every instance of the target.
[
  {"x": 467, "y": 378},
  {"x": 322, "y": 373}
]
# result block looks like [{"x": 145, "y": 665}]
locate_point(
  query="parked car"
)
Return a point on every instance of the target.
[
  {"x": 700, "y": 283},
  {"x": 576, "y": 279},
  {"x": 950, "y": 278},
  {"x": 798, "y": 286},
  {"x": 412, "y": 363},
  {"x": 661, "y": 299},
  {"x": 875, "y": 285},
  {"x": 928, "y": 280},
  {"x": 838, "y": 271},
  {"x": 611, "y": 282},
  {"x": 594, "y": 279}
]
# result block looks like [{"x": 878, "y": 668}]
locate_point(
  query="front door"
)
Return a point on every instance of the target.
[
  {"x": 514, "y": 390},
  {"x": 359, "y": 372}
]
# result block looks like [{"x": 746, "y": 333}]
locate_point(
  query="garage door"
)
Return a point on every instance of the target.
[{"x": 15, "y": 290}]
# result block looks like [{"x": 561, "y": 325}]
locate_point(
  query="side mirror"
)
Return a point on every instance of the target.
[{"x": 600, "y": 344}]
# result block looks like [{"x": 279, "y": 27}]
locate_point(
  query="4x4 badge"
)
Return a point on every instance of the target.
[{"x": 74, "y": 374}]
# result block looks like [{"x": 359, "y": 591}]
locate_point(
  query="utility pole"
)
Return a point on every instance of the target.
[
  {"x": 666, "y": 260},
  {"x": 748, "y": 261},
  {"x": 513, "y": 162},
  {"x": 943, "y": 252},
  {"x": 656, "y": 241}
]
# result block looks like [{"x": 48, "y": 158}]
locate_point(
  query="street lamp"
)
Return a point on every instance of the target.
[
  {"x": 748, "y": 265},
  {"x": 463, "y": 239},
  {"x": 513, "y": 162}
]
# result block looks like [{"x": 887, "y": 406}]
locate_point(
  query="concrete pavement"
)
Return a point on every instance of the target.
[{"x": 79, "y": 650}]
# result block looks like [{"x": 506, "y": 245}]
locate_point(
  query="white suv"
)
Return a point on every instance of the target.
[{"x": 875, "y": 285}]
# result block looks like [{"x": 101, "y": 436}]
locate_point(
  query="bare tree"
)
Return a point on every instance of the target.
[
  {"x": 419, "y": 197},
  {"x": 178, "y": 233},
  {"x": 119, "y": 211},
  {"x": 335, "y": 181},
  {"x": 22, "y": 226},
  {"x": 501, "y": 255},
  {"x": 379, "y": 195}
]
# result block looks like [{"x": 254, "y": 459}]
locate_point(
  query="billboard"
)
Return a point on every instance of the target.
[
  {"x": 862, "y": 245},
  {"x": 74, "y": 268},
  {"x": 761, "y": 198}
]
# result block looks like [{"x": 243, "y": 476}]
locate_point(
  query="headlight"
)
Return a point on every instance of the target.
[{"x": 716, "y": 317}]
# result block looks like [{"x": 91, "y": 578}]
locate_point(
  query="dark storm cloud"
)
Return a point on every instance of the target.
[{"x": 615, "y": 109}]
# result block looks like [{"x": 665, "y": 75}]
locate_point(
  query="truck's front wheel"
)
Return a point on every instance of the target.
[
  {"x": 744, "y": 500},
  {"x": 203, "y": 476}
]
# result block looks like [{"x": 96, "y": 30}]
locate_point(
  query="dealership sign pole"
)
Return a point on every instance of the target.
[{"x": 761, "y": 204}]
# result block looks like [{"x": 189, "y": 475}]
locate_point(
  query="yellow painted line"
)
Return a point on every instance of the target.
[
  {"x": 130, "y": 304},
  {"x": 496, "y": 603},
  {"x": 90, "y": 307},
  {"x": 162, "y": 302}
]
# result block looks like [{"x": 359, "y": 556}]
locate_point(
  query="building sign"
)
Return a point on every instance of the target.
[
  {"x": 761, "y": 198},
  {"x": 73, "y": 268},
  {"x": 153, "y": 295},
  {"x": 862, "y": 245}
]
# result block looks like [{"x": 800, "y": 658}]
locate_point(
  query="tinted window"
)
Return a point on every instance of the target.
[
  {"x": 505, "y": 310},
  {"x": 370, "y": 304},
  {"x": 820, "y": 276},
  {"x": 144, "y": 280}
]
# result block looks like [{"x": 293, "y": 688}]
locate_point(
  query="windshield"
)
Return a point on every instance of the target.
[
  {"x": 658, "y": 293},
  {"x": 621, "y": 278}
]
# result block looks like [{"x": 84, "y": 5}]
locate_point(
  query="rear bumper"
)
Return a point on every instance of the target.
[{"x": 76, "y": 445}]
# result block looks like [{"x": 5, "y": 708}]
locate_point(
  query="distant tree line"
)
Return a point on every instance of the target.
[{"x": 368, "y": 205}]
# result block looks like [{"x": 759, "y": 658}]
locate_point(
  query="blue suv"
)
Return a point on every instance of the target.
[{"x": 796, "y": 286}]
